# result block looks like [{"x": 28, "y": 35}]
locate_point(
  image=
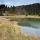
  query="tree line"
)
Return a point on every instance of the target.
[
  {"x": 4, "y": 8},
  {"x": 32, "y": 9}
]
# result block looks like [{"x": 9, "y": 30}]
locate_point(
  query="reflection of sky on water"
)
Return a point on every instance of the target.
[
  {"x": 31, "y": 30},
  {"x": 32, "y": 27}
]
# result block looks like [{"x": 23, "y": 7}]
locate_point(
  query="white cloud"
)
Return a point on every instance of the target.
[{"x": 18, "y": 2}]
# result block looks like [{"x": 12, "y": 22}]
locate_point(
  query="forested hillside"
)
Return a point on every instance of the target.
[{"x": 31, "y": 9}]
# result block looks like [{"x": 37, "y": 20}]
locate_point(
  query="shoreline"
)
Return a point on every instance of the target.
[
  {"x": 13, "y": 29},
  {"x": 20, "y": 16}
]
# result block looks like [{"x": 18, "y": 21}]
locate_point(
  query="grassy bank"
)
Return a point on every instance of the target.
[{"x": 12, "y": 31}]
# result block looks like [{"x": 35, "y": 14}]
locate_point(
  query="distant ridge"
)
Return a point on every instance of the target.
[{"x": 31, "y": 9}]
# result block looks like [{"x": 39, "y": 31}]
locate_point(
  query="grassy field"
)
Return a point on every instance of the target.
[{"x": 11, "y": 31}]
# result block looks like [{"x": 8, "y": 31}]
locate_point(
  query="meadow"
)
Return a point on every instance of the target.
[{"x": 10, "y": 30}]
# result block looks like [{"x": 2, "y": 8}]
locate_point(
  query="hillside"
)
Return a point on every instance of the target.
[{"x": 31, "y": 9}]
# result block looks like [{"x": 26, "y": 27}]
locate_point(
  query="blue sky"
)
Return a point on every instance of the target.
[{"x": 18, "y": 2}]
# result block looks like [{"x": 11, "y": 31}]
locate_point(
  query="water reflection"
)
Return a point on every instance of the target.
[
  {"x": 31, "y": 26},
  {"x": 30, "y": 30},
  {"x": 30, "y": 22}
]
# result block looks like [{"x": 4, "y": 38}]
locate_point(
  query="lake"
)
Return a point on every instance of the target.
[{"x": 32, "y": 26}]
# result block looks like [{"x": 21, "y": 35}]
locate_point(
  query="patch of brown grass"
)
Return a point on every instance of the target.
[{"x": 11, "y": 31}]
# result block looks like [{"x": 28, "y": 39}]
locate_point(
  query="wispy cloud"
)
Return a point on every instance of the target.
[{"x": 18, "y": 2}]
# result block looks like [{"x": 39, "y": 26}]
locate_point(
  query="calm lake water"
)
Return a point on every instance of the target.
[{"x": 30, "y": 26}]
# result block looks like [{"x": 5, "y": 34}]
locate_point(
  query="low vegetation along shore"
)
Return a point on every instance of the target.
[
  {"x": 22, "y": 16},
  {"x": 12, "y": 31}
]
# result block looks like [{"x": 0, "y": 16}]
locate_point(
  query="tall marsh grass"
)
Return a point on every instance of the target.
[{"x": 10, "y": 31}]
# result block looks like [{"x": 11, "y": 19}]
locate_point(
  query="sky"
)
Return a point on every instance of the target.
[{"x": 18, "y": 2}]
